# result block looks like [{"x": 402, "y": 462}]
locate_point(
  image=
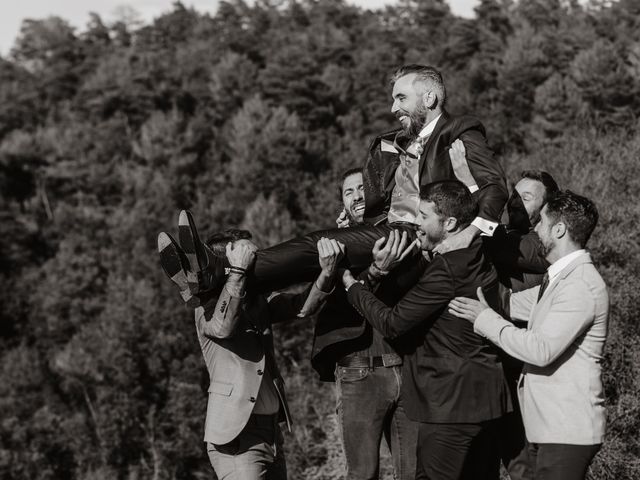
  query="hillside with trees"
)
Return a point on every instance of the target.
[{"x": 248, "y": 118}]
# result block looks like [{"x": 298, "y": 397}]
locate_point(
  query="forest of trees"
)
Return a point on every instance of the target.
[{"x": 248, "y": 118}]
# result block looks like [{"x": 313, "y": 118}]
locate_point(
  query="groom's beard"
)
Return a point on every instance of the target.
[{"x": 417, "y": 121}]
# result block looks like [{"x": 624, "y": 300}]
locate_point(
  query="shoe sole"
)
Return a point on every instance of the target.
[
  {"x": 175, "y": 265},
  {"x": 197, "y": 252}
]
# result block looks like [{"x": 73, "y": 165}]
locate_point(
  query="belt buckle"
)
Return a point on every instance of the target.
[{"x": 390, "y": 360}]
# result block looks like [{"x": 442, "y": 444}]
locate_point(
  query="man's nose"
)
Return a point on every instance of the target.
[
  {"x": 394, "y": 107},
  {"x": 358, "y": 195}
]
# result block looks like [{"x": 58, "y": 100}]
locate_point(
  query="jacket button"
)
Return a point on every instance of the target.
[
  {"x": 260, "y": 372},
  {"x": 252, "y": 399}
]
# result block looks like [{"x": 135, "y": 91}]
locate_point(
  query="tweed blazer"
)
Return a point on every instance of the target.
[
  {"x": 560, "y": 389},
  {"x": 240, "y": 354}
]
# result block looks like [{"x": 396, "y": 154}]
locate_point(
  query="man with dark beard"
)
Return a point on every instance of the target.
[
  {"x": 399, "y": 164},
  {"x": 352, "y": 195},
  {"x": 365, "y": 367},
  {"x": 560, "y": 390}
]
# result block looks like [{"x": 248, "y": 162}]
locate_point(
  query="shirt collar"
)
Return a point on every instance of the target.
[
  {"x": 560, "y": 264},
  {"x": 429, "y": 127}
]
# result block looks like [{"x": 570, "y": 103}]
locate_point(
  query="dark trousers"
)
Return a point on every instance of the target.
[
  {"x": 457, "y": 451},
  {"x": 296, "y": 260},
  {"x": 511, "y": 434},
  {"x": 557, "y": 461},
  {"x": 369, "y": 406}
]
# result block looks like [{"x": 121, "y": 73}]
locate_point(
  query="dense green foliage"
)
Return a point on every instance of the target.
[{"x": 247, "y": 118}]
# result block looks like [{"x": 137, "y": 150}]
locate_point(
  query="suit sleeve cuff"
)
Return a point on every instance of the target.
[
  {"x": 354, "y": 291},
  {"x": 487, "y": 227},
  {"x": 490, "y": 325}
]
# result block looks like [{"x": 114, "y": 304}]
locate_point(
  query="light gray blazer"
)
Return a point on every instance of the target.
[
  {"x": 236, "y": 340},
  {"x": 560, "y": 389}
]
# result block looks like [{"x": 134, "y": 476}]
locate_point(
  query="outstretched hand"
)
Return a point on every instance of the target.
[
  {"x": 469, "y": 308},
  {"x": 390, "y": 251}
]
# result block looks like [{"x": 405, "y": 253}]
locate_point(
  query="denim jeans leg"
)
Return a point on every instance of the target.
[
  {"x": 364, "y": 397},
  {"x": 403, "y": 436}
]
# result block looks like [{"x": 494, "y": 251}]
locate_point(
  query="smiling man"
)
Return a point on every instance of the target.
[
  {"x": 453, "y": 382},
  {"x": 352, "y": 195},
  {"x": 398, "y": 165},
  {"x": 560, "y": 390},
  {"x": 365, "y": 367}
]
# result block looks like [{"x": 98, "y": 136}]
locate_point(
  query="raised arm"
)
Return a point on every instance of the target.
[
  {"x": 221, "y": 320},
  {"x": 287, "y": 306},
  {"x": 474, "y": 164},
  {"x": 492, "y": 191}
]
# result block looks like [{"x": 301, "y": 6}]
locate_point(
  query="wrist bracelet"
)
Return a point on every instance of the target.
[
  {"x": 377, "y": 271},
  {"x": 238, "y": 270}
]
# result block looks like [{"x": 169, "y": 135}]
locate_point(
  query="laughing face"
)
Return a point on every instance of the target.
[
  {"x": 408, "y": 106},
  {"x": 431, "y": 231},
  {"x": 353, "y": 198}
]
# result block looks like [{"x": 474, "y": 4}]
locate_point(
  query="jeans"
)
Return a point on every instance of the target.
[
  {"x": 296, "y": 260},
  {"x": 255, "y": 454},
  {"x": 368, "y": 407}
]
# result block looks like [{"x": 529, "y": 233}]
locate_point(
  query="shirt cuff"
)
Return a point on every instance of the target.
[
  {"x": 487, "y": 227},
  {"x": 473, "y": 188}
]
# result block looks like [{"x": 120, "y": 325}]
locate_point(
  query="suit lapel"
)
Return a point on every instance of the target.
[
  {"x": 425, "y": 153},
  {"x": 564, "y": 273}
]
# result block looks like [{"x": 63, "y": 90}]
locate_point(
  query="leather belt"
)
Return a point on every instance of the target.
[{"x": 356, "y": 361}]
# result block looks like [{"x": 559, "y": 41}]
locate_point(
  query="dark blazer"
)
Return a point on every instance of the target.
[
  {"x": 435, "y": 165},
  {"x": 453, "y": 375},
  {"x": 340, "y": 330},
  {"x": 518, "y": 257}
]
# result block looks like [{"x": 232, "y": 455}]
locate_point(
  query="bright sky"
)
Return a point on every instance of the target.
[{"x": 76, "y": 12}]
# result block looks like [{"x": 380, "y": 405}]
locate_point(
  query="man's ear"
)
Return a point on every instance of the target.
[
  {"x": 429, "y": 99},
  {"x": 559, "y": 230},
  {"x": 450, "y": 224}
]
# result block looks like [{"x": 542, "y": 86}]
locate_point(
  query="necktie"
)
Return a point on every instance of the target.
[{"x": 544, "y": 285}]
